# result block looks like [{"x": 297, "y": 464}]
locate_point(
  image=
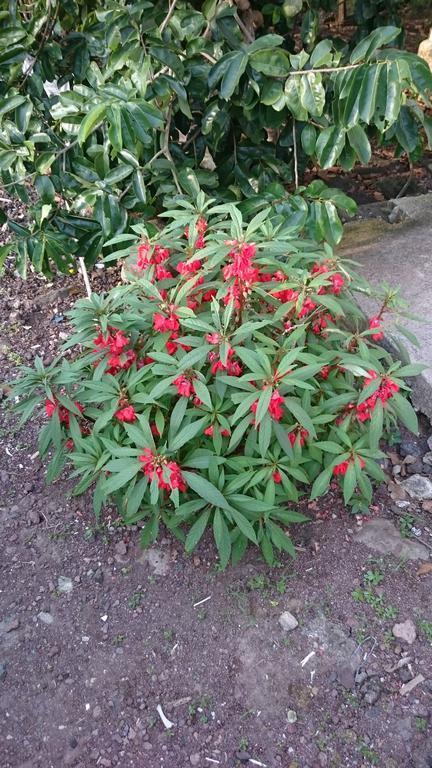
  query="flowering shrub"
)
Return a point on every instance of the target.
[{"x": 231, "y": 374}]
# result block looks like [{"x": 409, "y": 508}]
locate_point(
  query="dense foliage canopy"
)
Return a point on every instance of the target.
[{"x": 114, "y": 108}]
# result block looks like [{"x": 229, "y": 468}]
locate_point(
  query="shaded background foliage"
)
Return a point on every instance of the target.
[{"x": 112, "y": 109}]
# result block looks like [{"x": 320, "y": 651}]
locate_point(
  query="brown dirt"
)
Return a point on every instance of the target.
[{"x": 83, "y": 690}]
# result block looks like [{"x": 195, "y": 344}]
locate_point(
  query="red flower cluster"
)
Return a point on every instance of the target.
[
  {"x": 115, "y": 343},
  {"x": 299, "y": 434},
  {"x": 341, "y": 469},
  {"x": 126, "y": 414},
  {"x": 375, "y": 322},
  {"x": 201, "y": 229},
  {"x": 167, "y": 322},
  {"x": 275, "y": 406},
  {"x": 337, "y": 280},
  {"x": 240, "y": 268},
  {"x": 148, "y": 255},
  {"x": 168, "y": 473},
  {"x": 184, "y": 385},
  {"x": 232, "y": 367},
  {"x": 209, "y": 431},
  {"x": 277, "y": 477},
  {"x": 384, "y": 392},
  {"x": 63, "y": 413}
]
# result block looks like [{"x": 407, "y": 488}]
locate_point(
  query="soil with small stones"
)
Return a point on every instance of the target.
[{"x": 95, "y": 634}]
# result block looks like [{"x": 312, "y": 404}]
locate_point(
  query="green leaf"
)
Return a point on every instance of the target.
[
  {"x": 360, "y": 143},
  {"x": 205, "y": 489},
  {"x": 312, "y": 94},
  {"x": 187, "y": 433},
  {"x": 231, "y": 78},
  {"x": 300, "y": 414},
  {"x": 274, "y": 63},
  {"x": 405, "y": 412},
  {"x": 197, "y": 531},
  {"x": 367, "y": 47},
  {"x": 91, "y": 121},
  {"x": 222, "y": 538},
  {"x": 349, "y": 482},
  {"x": 308, "y": 139},
  {"x": 330, "y": 144},
  {"x": 368, "y": 93},
  {"x": 244, "y": 525}
]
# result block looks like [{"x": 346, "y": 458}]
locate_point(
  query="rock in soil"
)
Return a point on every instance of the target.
[
  {"x": 382, "y": 536},
  {"x": 287, "y": 621},
  {"x": 45, "y": 617},
  {"x": 418, "y": 487},
  {"x": 3, "y": 672},
  {"x": 405, "y": 631}
]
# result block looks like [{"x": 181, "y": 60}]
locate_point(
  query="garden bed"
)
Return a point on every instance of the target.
[{"x": 94, "y": 634}]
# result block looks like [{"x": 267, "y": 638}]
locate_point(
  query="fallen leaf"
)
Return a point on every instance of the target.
[{"x": 424, "y": 568}]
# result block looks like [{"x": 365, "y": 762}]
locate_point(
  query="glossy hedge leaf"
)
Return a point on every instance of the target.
[
  {"x": 330, "y": 144},
  {"x": 368, "y": 92},
  {"x": 233, "y": 73},
  {"x": 312, "y": 94},
  {"x": 406, "y": 130},
  {"x": 308, "y": 139},
  {"x": 367, "y": 47},
  {"x": 273, "y": 63},
  {"x": 90, "y": 121},
  {"x": 360, "y": 143}
]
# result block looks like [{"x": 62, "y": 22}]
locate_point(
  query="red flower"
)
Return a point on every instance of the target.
[
  {"x": 375, "y": 322},
  {"x": 277, "y": 477},
  {"x": 209, "y": 431},
  {"x": 299, "y": 433},
  {"x": 145, "y": 258},
  {"x": 162, "y": 323},
  {"x": 225, "y": 433},
  {"x": 184, "y": 386},
  {"x": 126, "y": 414},
  {"x": 50, "y": 407},
  {"x": 168, "y": 473},
  {"x": 213, "y": 338},
  {"x": 162, "y": 273},
  {"x": 275, "y": 406},
  {"x": 188, "y": 267},
  {"x": 337, "y": 282},
  {"x": 341, "y": 469},
  {"x": 308, "y": 306}
]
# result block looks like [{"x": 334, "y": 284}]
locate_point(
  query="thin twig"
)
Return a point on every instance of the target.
[
  {"x": 167, "y": 153},
  {"x": 250, "y": 38},
  {"x": 168, "y": 16},
  {"x": 45, "y": 37},
  {"x": 296, "y": 178}
]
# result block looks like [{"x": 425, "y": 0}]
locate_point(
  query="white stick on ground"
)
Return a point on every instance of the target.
[
  {"x": 84, "y": 273},
  {"x": 167, "y": 723}
]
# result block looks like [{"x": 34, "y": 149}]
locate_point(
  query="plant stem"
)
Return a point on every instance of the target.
[{"x": 168, "y": 16}]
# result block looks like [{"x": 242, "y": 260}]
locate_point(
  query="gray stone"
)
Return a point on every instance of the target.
[
  {"x": 158, "y": 560},
  {"x": 45, "y": 618},
  {"x": 3, "y": 672},
  {"x": 288, "y": 621},
  {"x": 195, "y": 758},
  {"x": 121, "y": 548},
  {"x": 33, "y": 517},
  {"x": 8, "y": 625},
  {"x": 427, "y": 458},
  {"x": 97, "y": 712},
  {"x": 405, "y": 631},
  {"x": 429, "y": 442},
  {"x": 292, "y": 716},
  {"x": 64, "y": 584},
  {"x": 399, "y": 254},
  {"x": 382, "y": 536},
  {"x": 418, "y": 487}
]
